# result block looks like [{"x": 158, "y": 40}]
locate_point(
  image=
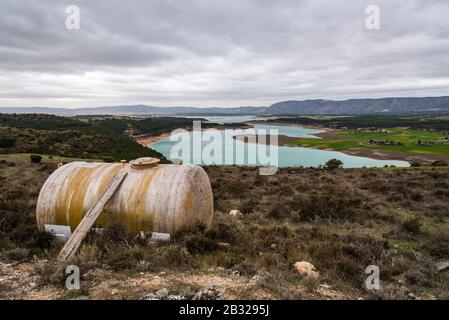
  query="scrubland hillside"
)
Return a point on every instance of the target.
[{"x": 340, "y": 221}]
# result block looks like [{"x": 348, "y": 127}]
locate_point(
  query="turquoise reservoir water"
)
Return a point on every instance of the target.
[{"x": 233, "y": 152}]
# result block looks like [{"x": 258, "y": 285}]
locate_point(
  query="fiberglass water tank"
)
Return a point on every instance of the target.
[{"x": 153, "y": 197}]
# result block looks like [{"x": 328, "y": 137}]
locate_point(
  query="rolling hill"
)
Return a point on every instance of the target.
[
  {"x": 361, "y": 106},
  {"x": 426, "y": 105}
]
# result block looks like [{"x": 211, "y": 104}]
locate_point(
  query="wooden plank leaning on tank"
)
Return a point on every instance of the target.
[{"x": 90, "y": 218}]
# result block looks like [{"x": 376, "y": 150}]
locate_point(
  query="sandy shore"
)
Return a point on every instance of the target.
[
  {"x": 149, "y": 140},
  {"x": 422, "y": 158},
  {"x": 305, "y": 126}
]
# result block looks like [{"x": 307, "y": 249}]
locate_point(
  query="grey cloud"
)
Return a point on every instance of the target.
[{"x": 233, "y": 52}]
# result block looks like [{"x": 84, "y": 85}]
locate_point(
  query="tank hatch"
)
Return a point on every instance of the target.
[{"x": 142, "y": 163}]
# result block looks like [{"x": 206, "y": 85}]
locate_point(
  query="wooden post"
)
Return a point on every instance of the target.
[{"x": 90, "y": 218}]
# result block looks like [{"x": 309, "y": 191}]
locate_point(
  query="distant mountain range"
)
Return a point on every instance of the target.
[
  {"x": 307, "y": 107},
  {"x": 361, "y": 106},
  {"x": 137, "y": 110}
]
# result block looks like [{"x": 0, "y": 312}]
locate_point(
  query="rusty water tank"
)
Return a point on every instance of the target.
[{"x": 153, "y": 197}]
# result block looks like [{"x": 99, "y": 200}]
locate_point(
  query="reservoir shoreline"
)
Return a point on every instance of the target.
[
  {"x": 286, "y": 141},
  {"x": 289, "y": 156}
]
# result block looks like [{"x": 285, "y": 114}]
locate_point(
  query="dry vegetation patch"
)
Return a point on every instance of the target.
[{"x": 341, "y": 221}]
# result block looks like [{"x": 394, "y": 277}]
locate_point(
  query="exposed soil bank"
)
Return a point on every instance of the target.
[
  {"x": 149, "y": 140},
  {"x": 312, "y": 127}
]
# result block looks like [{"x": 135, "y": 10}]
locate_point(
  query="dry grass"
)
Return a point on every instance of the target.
[{"x": 340, "y": 221}]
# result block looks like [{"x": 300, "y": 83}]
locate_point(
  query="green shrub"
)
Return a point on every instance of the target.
[
  {"x": 310, "y": 283},
  {"x": 438, "y": 244},
  {"x": 125, "y": 258},
  {"x": 7, "y": 142},
  {"x": 4, "y": 287},
  {"x": 412, "y": 225},
  {"x": 416, "y": 196},
  {"x": 173, "y": 256},
  {"x": 50, "y": 273},
  {"x": 439, "y": 163},
  {"x": 35, "y": 158},
  {"x": 333, "y": 164},
  {"x": 417, "y": 277},
  {"x": 42, "y": 240},
  {"x": 247, "y": 206},
  {"x": 16, "y": 254},
  {"x": 195, "y": 239},
  {"x": 277, "y": 212}
]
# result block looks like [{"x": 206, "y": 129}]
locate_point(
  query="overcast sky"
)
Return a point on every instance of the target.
[{"x": 219, "y": 53}]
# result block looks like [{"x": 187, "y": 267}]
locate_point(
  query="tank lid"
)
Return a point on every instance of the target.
[{"x": 144, "y": 162}]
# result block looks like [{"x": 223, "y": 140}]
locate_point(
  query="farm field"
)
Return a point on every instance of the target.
[{"x": 423, "y": 145}]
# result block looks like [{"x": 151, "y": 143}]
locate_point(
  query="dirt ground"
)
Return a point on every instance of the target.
[{"x": 102, "y": 284}]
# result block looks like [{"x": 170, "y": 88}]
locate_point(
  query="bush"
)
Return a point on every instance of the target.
[
  {"x": 333, "y": 203},
  {"x": 277, "y": 212},
  {"x": 7, "y": 142},
  {"x": 333, "y": 164},
  {"x": 310, "y": 283},
  {"x": 416, "y": 277},
  {"x": 35, "y": 158},
  {"x": 50, "y": 273},
  {"x": 416, "y": 196},
  {"x": 414, "y": 164},
  {"x": 4, "y": 286},
  {"x": 195, "y": 239},
  {"x": 247, "y": 206},
  {"x": 199, "y": 240},
  {"x": 439, "y": 163},
  {"x": 125, "y": 258},
  {"x": 42, "y": 240},
  {"x": 175, "y": 257},
  {"x": 438, "y": 245},
  {"x": 412, "y": 225},
  {"x": 114, "y": 233},
  {"x": 16, "y": 254}
]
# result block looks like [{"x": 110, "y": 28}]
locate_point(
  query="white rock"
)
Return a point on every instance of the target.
[
  {"x": 210, "y": 293},
  {"x": 224, "y": 244},
  {"x": 441, "y": 266},
  {"x": 162, "y": 293},
  {"x": 306, "y": 269},
  {"x": 236, "y": 213}
]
